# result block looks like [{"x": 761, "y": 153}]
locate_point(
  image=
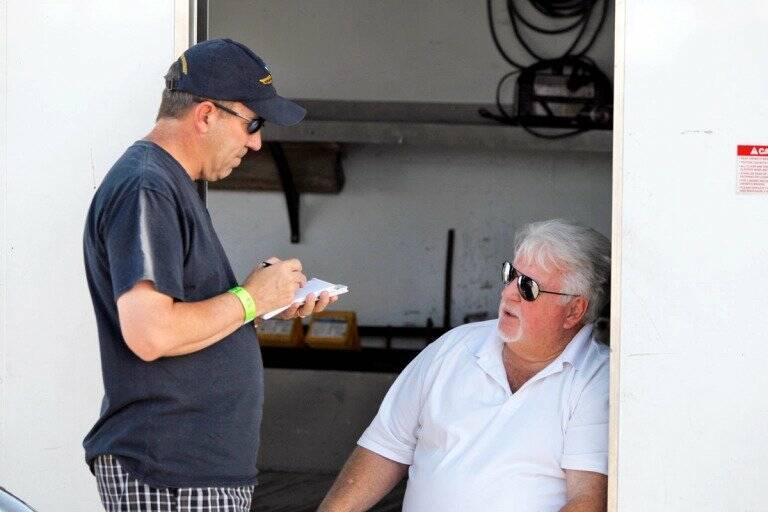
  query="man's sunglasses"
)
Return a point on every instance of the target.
[
  {"x": 253, "y": 126},
  {"x": 529, "y": 289}
]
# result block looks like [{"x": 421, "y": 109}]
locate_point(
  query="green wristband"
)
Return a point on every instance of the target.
[{"x": 247, "y": 301}]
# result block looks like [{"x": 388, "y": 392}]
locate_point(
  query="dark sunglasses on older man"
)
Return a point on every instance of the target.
[
  {"x": 527, "y": 287},
  {"x": 253, "y": 126}
]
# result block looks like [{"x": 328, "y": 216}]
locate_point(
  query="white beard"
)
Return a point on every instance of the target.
[{"x": 510, "y": 338}]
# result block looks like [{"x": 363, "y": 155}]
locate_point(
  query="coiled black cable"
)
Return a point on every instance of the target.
[
  {"x": 581, "y": 10},
  {"x": 508, "y": 118}
]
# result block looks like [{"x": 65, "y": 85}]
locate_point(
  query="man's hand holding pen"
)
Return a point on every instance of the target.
[{"x": 273, "y": 284}]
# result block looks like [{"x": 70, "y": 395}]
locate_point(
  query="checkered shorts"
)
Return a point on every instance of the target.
[{"x": 121, "y": 493}]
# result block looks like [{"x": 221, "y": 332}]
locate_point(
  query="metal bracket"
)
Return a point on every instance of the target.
[{"x": 289, "y": 188}]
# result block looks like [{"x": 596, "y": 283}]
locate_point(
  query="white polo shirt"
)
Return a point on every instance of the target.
[{"x": 473, "y": 445}]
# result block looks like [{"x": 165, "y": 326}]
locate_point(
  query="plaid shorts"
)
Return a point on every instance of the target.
[{"x": 121, "y": 493}]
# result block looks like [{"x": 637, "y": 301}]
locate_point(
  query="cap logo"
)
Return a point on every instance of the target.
[
  {"x": 266, "y": 80},
  {"x": 183, "y": 60}
]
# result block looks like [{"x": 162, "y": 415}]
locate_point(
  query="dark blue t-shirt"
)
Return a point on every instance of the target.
[{"x": 185, "y": 421}]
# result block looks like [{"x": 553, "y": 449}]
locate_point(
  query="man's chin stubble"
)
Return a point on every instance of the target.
[{"x": 514, "y": 338}]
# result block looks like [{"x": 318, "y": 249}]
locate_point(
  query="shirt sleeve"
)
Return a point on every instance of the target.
[
  {"x": 586, "y": 436},
  {"x": 144, "y": 241},
  {"x": 393, "y": 432}
]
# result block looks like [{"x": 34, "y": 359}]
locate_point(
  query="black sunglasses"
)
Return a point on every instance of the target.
[
  {"x": 529, "y": 289},
  {"x": 253, "y": 126}
]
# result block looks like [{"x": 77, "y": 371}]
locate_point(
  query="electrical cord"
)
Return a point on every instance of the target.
[
  {"x": 598, "y": 29},
  {"x": 583, "y": 11},
  {"x": 515, "y": 15},
  {"x": 561, "y": 8},
  {"x": 583, "y": 71},
  {"x": 508, "y": 119},
  {"x": 556, "y": 9},
  {"x": 495, "y": 38}
]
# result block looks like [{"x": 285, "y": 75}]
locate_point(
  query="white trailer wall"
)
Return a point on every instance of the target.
[
  {"x": 691, "y": 398},
  {"x": 77, "y": 85},
  {"x": 80, "y": 81}
]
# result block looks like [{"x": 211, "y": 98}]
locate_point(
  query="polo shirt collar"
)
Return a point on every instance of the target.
[
  {"x": 488, "y": 353},
  {"x": 573, "y": 354},
  {"x": 488, "y": 346},
  {"x": 487, "y": 350},
  {"x": 577, "y": 348}
]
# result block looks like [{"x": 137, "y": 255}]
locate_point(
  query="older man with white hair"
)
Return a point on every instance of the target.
[{"x": 504, "y": 415}]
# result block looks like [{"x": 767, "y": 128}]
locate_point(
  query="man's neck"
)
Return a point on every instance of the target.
[
  {"x": 537, "y": 354},
  {"x": 168, "y": 134},
  {"x": 524, "y": 360}
]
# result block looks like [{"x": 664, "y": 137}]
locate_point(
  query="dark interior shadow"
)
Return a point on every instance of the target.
[{"x": 280, "y": 491}]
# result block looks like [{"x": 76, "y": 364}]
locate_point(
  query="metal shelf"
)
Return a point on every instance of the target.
[{"x": 411, "y": 124}]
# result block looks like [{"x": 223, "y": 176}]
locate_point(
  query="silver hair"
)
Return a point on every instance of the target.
[{"x": 581, "y": 252}]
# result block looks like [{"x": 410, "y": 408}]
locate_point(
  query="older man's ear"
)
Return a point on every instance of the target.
[{"x": 577, "y": 308}]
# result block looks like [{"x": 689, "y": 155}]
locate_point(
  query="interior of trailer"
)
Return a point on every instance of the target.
[{"x": 417, "y": 162}]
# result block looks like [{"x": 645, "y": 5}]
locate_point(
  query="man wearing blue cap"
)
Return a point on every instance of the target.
[{"x": 182, "y": 370}]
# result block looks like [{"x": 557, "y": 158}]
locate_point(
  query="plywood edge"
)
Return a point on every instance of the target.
[
  {"x": 182, "y": 10},
  {"x": 616, "y": 255}
]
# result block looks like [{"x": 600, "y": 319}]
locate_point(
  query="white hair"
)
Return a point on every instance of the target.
[{"x": 583, "y": 254}]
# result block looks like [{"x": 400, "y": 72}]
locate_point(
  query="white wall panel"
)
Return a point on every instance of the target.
[
  {"x": 3, "y": 220},
  {"x": 83, "y": 82},
  {"x": 692, "y": 404}
]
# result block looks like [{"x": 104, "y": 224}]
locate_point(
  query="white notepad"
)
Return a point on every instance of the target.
[{"x": 316, "y": 286}]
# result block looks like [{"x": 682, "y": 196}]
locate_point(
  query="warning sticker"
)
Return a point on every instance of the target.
[{"x": 752, "y": 169}]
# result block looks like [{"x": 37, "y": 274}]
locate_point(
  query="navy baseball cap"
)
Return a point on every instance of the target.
[{"x": 222, "y": 69}]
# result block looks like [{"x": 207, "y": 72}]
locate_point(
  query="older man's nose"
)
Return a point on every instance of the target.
[{"x": 510, "y": 292}]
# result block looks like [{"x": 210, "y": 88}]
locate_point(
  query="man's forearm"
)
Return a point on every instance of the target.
[
  {"x": 155, "y": 326},
  {"x": 364, "y": 480},
  {"x": 585, "y": 504},
  {"x": 587, "y": 491},
  {"x": 204, "y": 323}
]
